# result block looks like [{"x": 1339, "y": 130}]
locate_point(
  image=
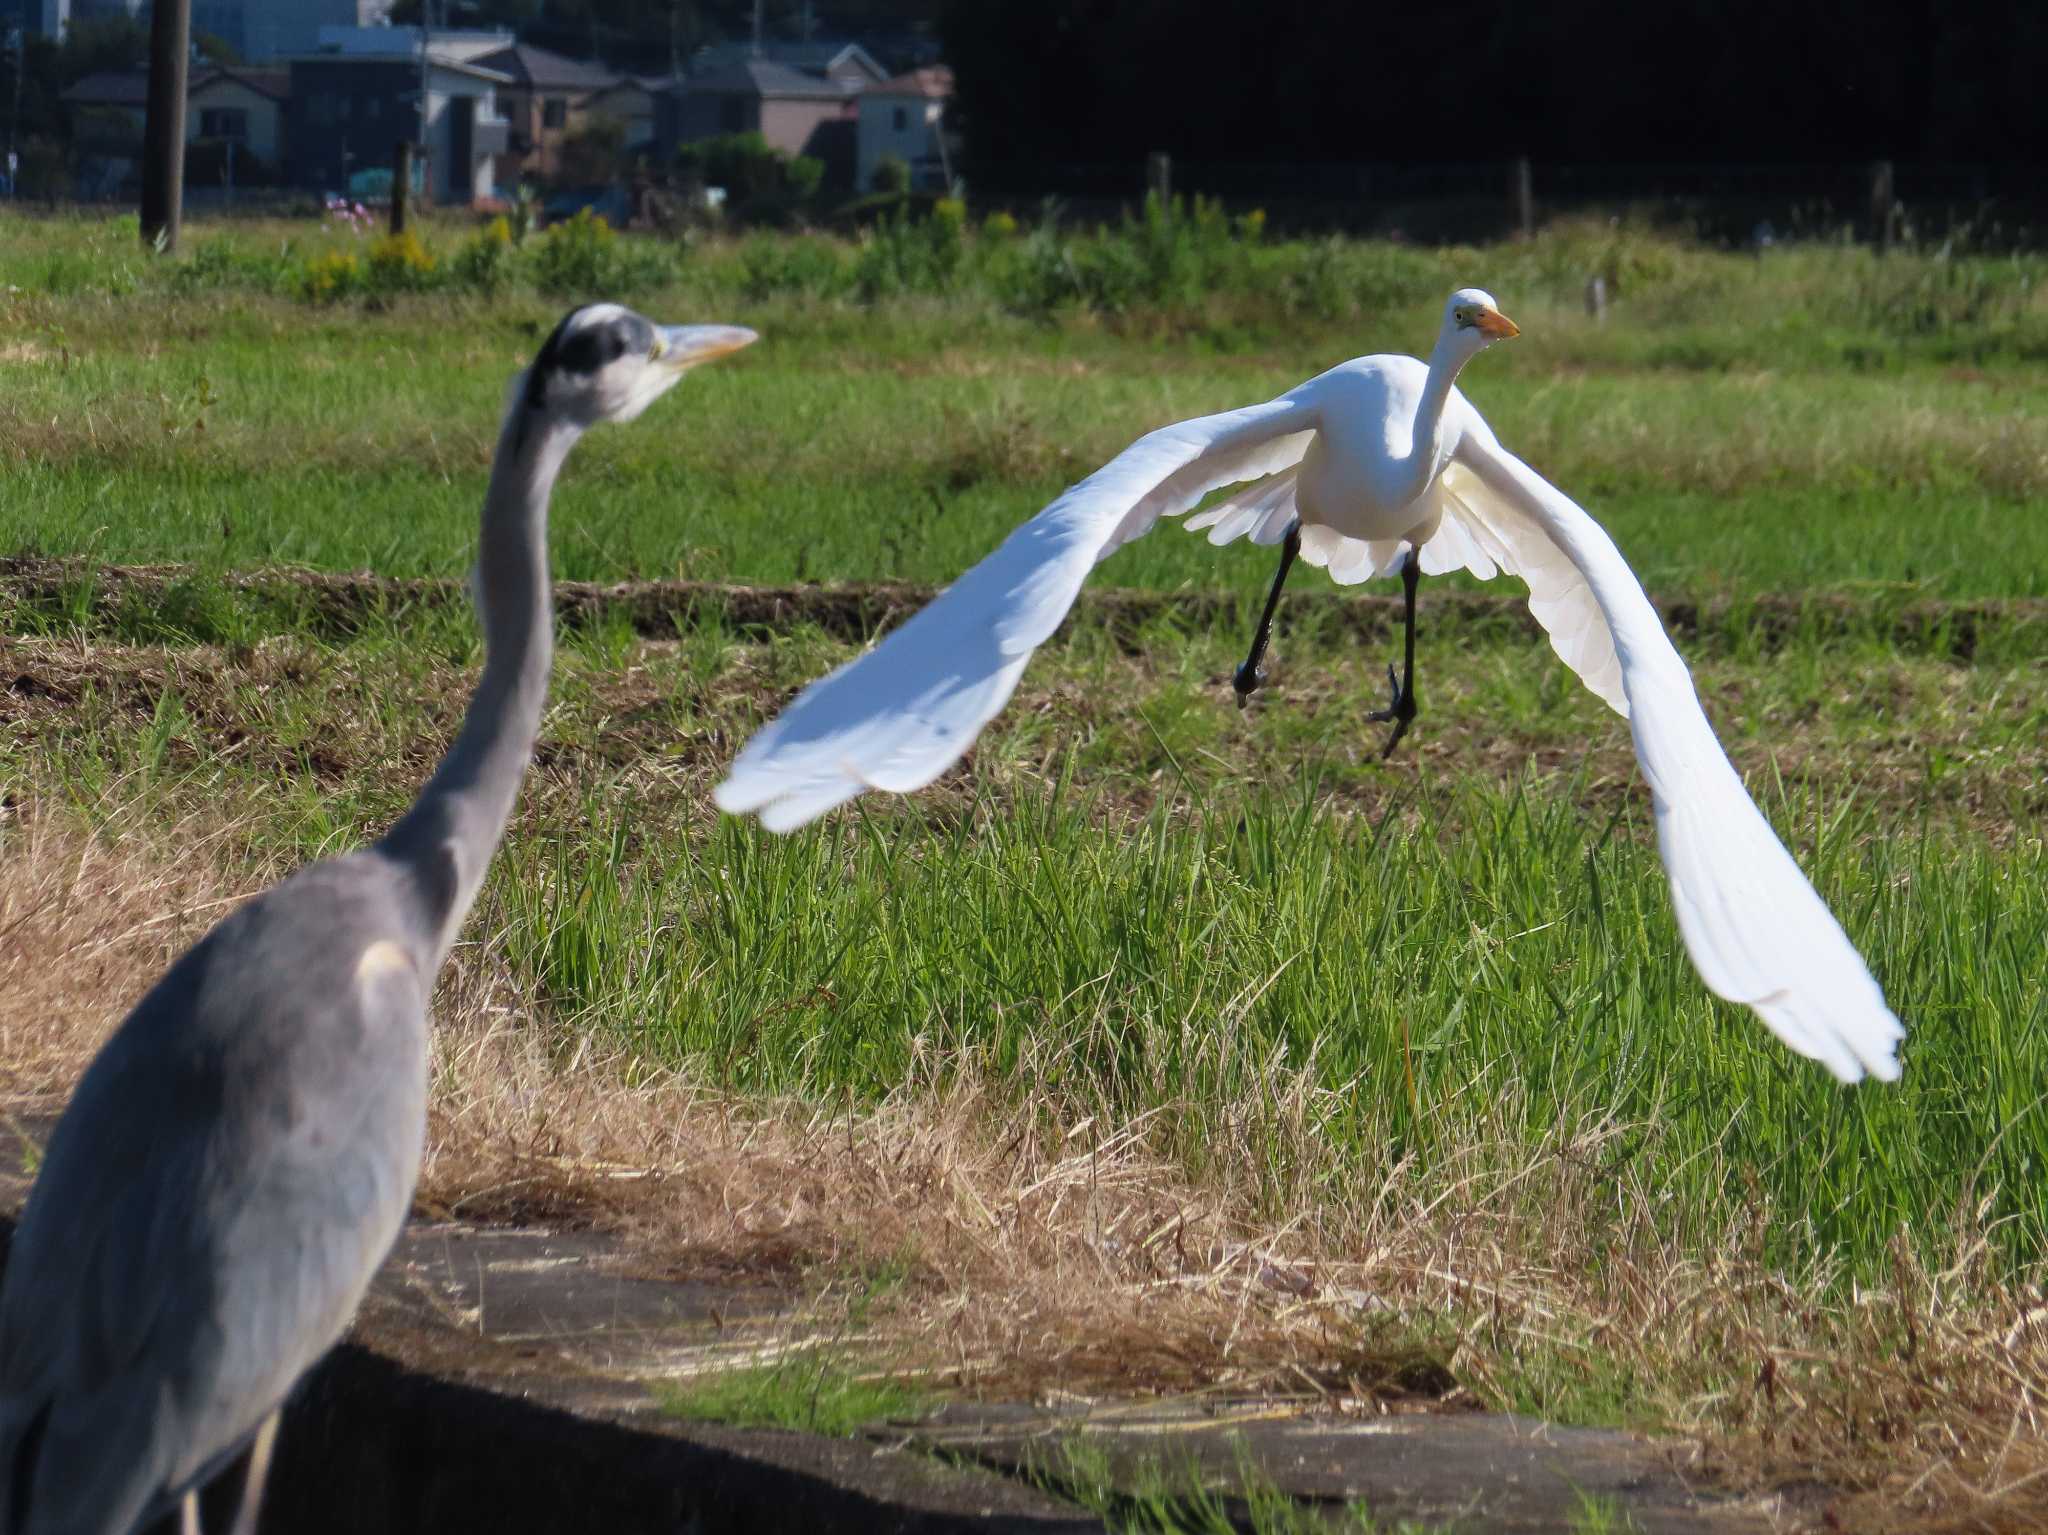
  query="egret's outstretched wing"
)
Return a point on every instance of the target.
[
  {"x": 903, "y": 713},
  {"x": 1756, "y": 929}
]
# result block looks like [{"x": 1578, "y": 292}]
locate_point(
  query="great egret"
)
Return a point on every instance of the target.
[
  {"x": 239, "y": 1157},
  {"x": 1376, "y": 462}
]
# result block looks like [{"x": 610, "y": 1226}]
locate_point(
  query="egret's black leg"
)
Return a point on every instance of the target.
[
  {"x": 1251, "y": 674},
  {"x": 1401, "y": 709}
]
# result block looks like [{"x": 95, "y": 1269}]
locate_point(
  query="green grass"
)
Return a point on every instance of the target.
[
  {"x": 1342, "y": 986},
  {"x": 1154, "y": 1495},
  {"x": 1722, "y": 423},
  {"x": 811, "y": 1391}
]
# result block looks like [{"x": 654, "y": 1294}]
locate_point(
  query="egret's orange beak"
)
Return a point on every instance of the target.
[{"x": 1495, "y": 325}]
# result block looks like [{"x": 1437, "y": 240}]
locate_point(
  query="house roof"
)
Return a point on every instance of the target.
[
  {"x": 767, "y": 79},
  {"x": 461, "y": 61},
  {"x": 110, "y": 88},
  {"x": 934, "y": 82},
  {"x": 130, "y": 87},
  {"x": 274, "y": 83},
  {"x": 815, "y": 58},
  {"x": 653, "y": 85},
  {"x": 542, "y": 70}
]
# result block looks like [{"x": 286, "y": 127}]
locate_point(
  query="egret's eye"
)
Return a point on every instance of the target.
[{"x": 654, "y": 352}]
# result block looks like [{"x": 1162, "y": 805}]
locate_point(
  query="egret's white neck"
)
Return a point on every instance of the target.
[{"x": 1446, "y": 359}]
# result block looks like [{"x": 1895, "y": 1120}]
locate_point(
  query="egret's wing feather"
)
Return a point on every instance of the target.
[
  {"x": 1483, "y": 531},
  {"x": 900, "y": 715},
  {"x": 1263, "y": 512},
  {"x": 1755, "y": 928}
]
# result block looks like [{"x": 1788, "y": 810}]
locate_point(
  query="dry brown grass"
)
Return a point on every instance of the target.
[{"x": 1043, "y": 1257}]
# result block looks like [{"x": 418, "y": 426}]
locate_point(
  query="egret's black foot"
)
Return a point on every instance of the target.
[
  {"x": 1247, "y": 680},
  {"x": 1400, "y": 710}
]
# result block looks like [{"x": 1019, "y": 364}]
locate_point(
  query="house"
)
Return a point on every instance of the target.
[
  {"x": 632, "y": 101},
  {"x": 798, "y": 113},
  {"x": 849, "y": 64},
  {"x": 906, "y": 117},
  {"x": 354, "y": 100},
  {"x": 243, "y": 107},
  {"x": 107, "y": 109},
  {"x": 547, "y": 100}
]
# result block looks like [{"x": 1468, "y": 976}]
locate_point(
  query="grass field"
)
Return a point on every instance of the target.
[{"x": 1419, "y": 1038}]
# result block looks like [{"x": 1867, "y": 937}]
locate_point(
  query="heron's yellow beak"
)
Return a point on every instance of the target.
[
  {"x": 684, "y": 346},
  {"x": 1496, "y": 326}
]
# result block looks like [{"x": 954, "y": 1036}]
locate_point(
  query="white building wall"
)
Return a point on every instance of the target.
[{"x": 879, "y": 135}]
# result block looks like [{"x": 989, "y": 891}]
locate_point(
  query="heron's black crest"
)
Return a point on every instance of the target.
[{"x": 573, "y": 349}]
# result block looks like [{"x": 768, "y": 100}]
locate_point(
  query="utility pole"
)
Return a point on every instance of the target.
[
  {"x": 163, "y": 129},
  {"x": 757, "y": 28},
  {"x": 18, "y": 46},
  {"x": 425, "y": 154}
]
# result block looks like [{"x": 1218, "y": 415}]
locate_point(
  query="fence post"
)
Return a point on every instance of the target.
[
  {"x": 163, "y": 130},
  {"x": 401, "y": 185},
  {"x": 1159, "y": 176},
  {"x": 1881, "y": 202},
  {"x": 1522, "y": 193},
  {"x": 1596, "y": 297}
]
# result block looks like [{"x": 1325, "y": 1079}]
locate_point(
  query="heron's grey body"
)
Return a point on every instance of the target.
[{"x": 238, "y": 1160}]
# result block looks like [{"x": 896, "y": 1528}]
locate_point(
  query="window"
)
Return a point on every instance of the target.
[
  {"x": 372, "y": 106},
  {"x": 319, "y": 109},
  {"x": 223, "y": 123},
  {"x": 554, "y": 112},
  {"x": 899, "y": 119}
]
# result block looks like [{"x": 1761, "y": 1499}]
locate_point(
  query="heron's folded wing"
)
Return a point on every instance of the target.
[
  {"x": 900, "y": 715},
  {"x": 1757, "y": 931}
]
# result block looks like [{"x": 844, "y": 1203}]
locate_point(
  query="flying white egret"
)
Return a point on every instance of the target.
[
  {"x": 1378, "y": 461},
  {"x": 239, "y": 1157}
]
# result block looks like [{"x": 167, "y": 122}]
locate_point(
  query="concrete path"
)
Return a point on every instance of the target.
[{"x": 506, "y": 1380}]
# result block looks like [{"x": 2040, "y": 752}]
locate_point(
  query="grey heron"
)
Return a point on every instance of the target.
[
  {"x": 1376, "y": 464},
  {"x": 239, "y": 1157}
]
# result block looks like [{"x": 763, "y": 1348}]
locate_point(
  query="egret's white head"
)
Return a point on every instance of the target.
[
  {"x": 606, "y": 363},
  {"x": 1473, "y": 322}
]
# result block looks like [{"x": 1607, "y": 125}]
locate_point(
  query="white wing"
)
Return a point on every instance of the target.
[
  {"x": 899, "y": 716},
  {"x": 1756, "y": 929}
]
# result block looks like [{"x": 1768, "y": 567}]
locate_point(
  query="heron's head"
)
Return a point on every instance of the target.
[
  {"x": 606, "y": 363},
  {"x": 1473, "y": 322}
]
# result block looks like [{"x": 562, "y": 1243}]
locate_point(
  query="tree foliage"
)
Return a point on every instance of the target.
[{"x": 1481, "y": 80}]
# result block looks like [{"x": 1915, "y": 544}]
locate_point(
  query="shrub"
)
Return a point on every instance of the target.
[
  {"x": 400, "y": 264},
  {"x": 803, "y": 176},
  {"x": 332, "y": 275},
  {"x": 999, "y": 226},
  {"x": 575, "y": 256},
  {"x": 907, "y": 255},
  {"x": 485, "y": 261},
  {"x": 595, "y": 152},
  {"x": 222, "y": 263},
  {"x": 770, "y": 265},
  {"x": 891, "y": 176},
  {"x": 760, "y": 181}
]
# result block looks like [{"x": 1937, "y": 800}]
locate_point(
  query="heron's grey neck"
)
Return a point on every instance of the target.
[
  {"x": 1426, "y": 457},
  {"x": 446, "y": 840}
]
